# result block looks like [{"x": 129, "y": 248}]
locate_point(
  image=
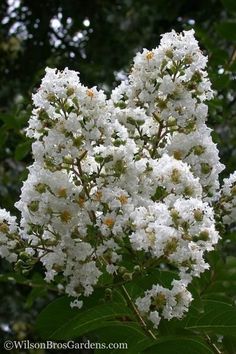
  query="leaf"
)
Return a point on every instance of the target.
[
  {"x": 3, "y": 135},
  {"x": 34, "y": 294},
  {"x": 39, "y": 291},
  {"x": 129, "y": 334},
  {"x": 183, "y": 345},
  {"x": 230, "y": 5},
  {"x": 59, "y": 321},
  {"x": 220, "y": 82},
  {"x": 9, "y": 120},
  {"x": 227, "y": 29},
  {"x": 22, "y": 150},
  {"x": 229, "y": 344},
  {"x": 13, "y": 277},
  {"x": 218, "y": 317},
  {"x": 138, "y": 286}
]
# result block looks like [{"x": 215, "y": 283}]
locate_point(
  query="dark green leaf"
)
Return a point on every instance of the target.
[
  {"x": 176, "y": 345},
  {"x": 230, "y": 5},
  {"x": 22, "y": 150},
  {"x": 227, "y": 29},
  {"x": 59, "y": 321},
  {"x": 218, "y": 317},
  {"x": 129, "y": 333}
]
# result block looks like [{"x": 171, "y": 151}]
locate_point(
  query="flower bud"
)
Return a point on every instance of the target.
[
  {"x": 204, "y": 235},
  {"x": 198, "y": 215},
  {"x": 33, "y": 206},
  {"x": 127, "y": 276},
  {"x": 205, "y": 168},
  {"x": 198, "y": 150},
  {"x": 175, "y": 176},
  {"x": 122, "y": 270}
]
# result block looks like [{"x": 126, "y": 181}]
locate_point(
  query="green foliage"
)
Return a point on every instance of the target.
[
  {"x": 113, "y": 320},
  {"x": 217, "y": 317}
]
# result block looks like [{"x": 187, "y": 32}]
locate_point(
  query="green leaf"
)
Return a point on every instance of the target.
[
  {"x": 22, "y": 150},
  {"x": 230, "y": 5},
  {"x": 229, "y": 343},
  {"x": 227, "y": 29},
  {"x": 218, "y": 317},
  {"x": 129, "y": 333},
  {"x": 34, "y": 294},
  {"x": 13, "y": 277},
  {"x": 183, "y": 345},
  {"x": 3, "y": 135},
  {"x": 139, "y": 285},
  {"x": 59, "y": 321},
  {"x": 39, "y": 290},
  {"x": 9, "y": 119},
  {"x": 220, "y": 82}
]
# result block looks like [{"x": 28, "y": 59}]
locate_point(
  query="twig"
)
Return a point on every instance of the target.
[
  {"x": 137, "y": 312},
  {"x": 213, "y": 345}
]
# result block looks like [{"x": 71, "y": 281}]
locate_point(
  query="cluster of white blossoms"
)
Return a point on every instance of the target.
[
  {"x": 228, "y": 199},
  {"x": 161, "y": 302},
  {"x": 8, "y": 236},
  {"x": 135, "y": 173}
]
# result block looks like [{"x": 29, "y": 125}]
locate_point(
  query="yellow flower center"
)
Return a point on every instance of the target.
[
  {"x": 65, "y": 216},
  {"x": 4, "y": 228},
  {"x": 80, "y": 200},
  {"x": 90, "y": 93},
  {"x": 151, "y": 237},
  {"x": 149, "y": 55},
  {"x": 109, "y": 222},
  {"x": 123, "y": 199},
  {"x": 62, "y": 192},
  {"x": 98, "y": 196}
]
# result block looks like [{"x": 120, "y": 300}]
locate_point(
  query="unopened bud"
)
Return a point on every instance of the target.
[
  {"x": 204, "y": 235},
  {"x": 137, "y": 268},
  {"x": 70, "y": 91},
  {"x": 4, "y": 228},
  {"x": 198, "y": 150},
  {"x": 108, "y": 293},
  {"x": 127, "y": 276},
  {"x": 33, "y": 206},
  {"x": 175, "y": 176},
  {"x": 122, "y": 270},
  {"x": 205, "y": 168},
  {"x": 198, "y": 215},
  {"x": 41, "y": 188}
]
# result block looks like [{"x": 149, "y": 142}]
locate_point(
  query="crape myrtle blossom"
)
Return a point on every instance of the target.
[
  {"x": 162, "y": 302},
  {"x": 135, "y": 174},
  {"x": 9, "y": 240},
  {"x": 228, "y": 199}
]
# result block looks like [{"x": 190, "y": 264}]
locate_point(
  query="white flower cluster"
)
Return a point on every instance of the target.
[
  {"x": 137, "y": 173},
  {"x": 167, "y": 89},
  {"x": 161, "y": 302},
  {"x": 228, "y": 199},
  {"x": 8, "y": 236}
]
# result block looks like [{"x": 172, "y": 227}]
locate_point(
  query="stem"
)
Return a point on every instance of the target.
[
  {"x": 213, "y": 345},
  {"x": 92, "y": 214},
  {"x": 157, "y": 140},
  {"x": 134, "y": 308},
  {"x": 142, "y": 138},
  {"x": 42, "y": 248},
  {"x": 82, "y": 179}
]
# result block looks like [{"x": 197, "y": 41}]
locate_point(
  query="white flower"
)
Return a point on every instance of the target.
[
  {"x": 8, "y": 236},
  {"x": 228, "y": 199}
]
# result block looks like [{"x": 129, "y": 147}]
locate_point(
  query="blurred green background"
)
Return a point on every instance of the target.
[{"x": 98, "y": 38}]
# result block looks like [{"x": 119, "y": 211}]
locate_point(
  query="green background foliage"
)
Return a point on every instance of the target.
[{"x": 99, "y": 38}]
